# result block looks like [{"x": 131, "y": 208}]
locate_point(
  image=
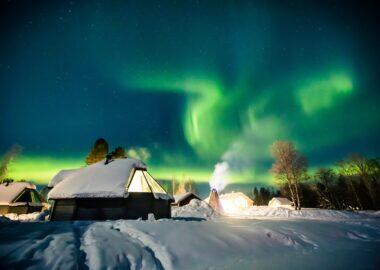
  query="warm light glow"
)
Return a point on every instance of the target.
[
  {"x": 142, "y": 181},
  {"x": 234, "y": 202}
]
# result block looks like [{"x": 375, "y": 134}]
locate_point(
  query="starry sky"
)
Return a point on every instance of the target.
[{"x": 193, "y": 82}]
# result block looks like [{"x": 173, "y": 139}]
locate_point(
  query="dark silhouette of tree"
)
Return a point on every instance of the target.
[
  {"x": 119, "y": 152},
  {"x": 6, "y": 180},
  {"x": 325, "y": 179},
  {"x": 346, "y": 173},
  {"x": 289, "y": 168},
  {"x": 264, "y": 194},
  {"x": 255, "y": 196},
  {"x": 98, "y": 152},
  {"x": 368, "y": 171},
  {"x": 308, "y": 195}
]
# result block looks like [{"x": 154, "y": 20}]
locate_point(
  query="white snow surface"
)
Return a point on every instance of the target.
[
  {"x": 97, "y": 180},
  {"x": 201, "y": 209},
  {"x": 60, "y": 176},
  {"x": 196, "y": 209},
  {"x": 306, "y": 213},
  {"x": 223, "y": 243},
  {"x": 36, "y": 216}
]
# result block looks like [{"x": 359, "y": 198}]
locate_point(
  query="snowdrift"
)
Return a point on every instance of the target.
[
  {"x": 306, "y": 213},
  {"x": 180, "y": 244},
  {"x": 195, "y": 209}
]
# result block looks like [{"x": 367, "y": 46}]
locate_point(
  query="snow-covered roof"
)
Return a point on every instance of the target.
[
  {"x": 181, "y": 197},
  {"x": 281, "y": 200},
  {"x": 10, "y": 191},
  {"x": 60, "y": 176},
  {"x": 100, "y": 181}
]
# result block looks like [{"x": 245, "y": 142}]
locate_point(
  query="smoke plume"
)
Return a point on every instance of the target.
[{"x": 10, "y": 155}]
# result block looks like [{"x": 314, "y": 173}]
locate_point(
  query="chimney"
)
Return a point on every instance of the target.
[{"x": 214, "y": 201}]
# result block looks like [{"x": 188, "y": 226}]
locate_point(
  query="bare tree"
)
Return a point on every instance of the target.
[
  {"x": 289, "y": 168},
  {"x": 10, "y": 155}
]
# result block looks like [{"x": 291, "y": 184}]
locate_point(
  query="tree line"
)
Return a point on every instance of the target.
[
  {"x": 100, "y": 151},
  {"x": 262, "y": 195},
  {"x": 352, "y": 184}
]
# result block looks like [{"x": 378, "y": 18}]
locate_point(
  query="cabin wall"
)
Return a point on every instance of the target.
[
  {"x": 4, "y": 209},
  {"x": 20, "y": 209},
  {"x": 137, "y": 205}
]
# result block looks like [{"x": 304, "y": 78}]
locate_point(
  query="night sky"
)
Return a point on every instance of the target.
[{"x": 194, "y": 83}]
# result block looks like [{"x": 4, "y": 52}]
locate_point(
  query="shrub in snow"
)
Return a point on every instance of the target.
[{"x": 151, "y": 217}]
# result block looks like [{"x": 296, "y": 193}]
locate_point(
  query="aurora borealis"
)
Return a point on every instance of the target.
[{"x": 193, "y": 82}]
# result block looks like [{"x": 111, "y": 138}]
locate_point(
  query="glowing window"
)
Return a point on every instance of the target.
[
  {"x": 139, "y": 183},
  {"x": 156, "y": 188}
]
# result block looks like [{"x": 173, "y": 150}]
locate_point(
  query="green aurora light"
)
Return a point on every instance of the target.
[{"x": 195, "y": 85}]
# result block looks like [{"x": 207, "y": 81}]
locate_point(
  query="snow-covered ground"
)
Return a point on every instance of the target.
[
  {"x": 36, "y": 216},
  {"x": 197, "y": 238},
  {"x": 195, "y": 209},
  {"x": 305, "y": 213}
]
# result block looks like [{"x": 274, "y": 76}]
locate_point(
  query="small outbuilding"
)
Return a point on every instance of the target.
[
  {"x": 19, "y": 198},
  {"x": 119, "y": 189},
  {"x": 280, "y": 202},
  {"x": 183, "y": 199},
  {"x": 237, "y": 199}
]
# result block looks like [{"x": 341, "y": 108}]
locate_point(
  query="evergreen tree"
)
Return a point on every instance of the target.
[
  {"x": 119, "y": 152},
  {"x": 264, "y": 196},
  {"x": 98, "y": 152}
]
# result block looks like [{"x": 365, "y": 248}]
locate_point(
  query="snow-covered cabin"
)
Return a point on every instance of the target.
[
  {"x": 183, "y": 199},
  {"x": 19, "y": 198},
  {"x": 280, "y": 202},
  {"x": 238, "y": 199},
  {"x": 121, "y": 189}
]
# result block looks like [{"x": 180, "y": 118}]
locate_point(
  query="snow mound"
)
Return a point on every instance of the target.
[
  {"x": 227, "y": 243},
  {"x": 195, "y": 209},
  {"x": 36, "y": 216},
  {"x": 306, "y": 213}
]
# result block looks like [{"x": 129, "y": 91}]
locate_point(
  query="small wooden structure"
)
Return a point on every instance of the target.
[
  {"x": 117, "y": 189},
  {"x": 19, "y": 198},
  {"x": 183, "y": 199}
]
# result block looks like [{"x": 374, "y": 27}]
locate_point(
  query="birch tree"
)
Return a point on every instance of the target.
[{"x": 289, "y": 168}]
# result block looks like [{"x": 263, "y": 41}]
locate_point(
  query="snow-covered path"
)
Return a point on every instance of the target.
[{"x": 182, "y": 244}]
